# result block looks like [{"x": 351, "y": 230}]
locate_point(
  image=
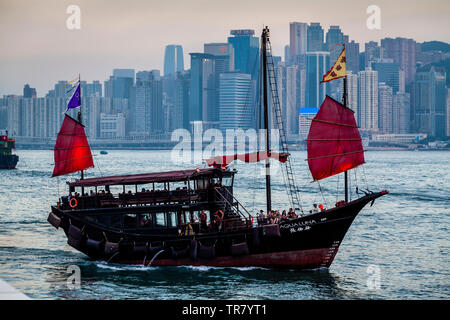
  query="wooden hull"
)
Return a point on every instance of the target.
[{"x": 307, "y": 242}]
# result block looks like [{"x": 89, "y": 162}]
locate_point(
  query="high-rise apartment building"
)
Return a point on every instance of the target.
[
  {"x": 315, "y": 37},
  {"x": 298, "y": 40},
  {"x": 317, "y": 64},
  {"x": 403, "y": 52},
  {"x": 430, "y": 101},
  {"x": 368, "y": 99},
  {"x": 385, "y": 108}
]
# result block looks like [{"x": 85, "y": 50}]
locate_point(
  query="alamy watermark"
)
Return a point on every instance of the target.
[
  {"x": 73, "y": 282},
  {"x": 373, "y": 21},
  {"x": 193, "y": 148},
  {"x": 73, "y": 22},
  {"x": 374, "y": 277}
]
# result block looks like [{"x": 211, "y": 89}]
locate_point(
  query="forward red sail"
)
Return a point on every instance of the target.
[
  {"x": 72, "y": 152},
  {"x": 334, "y": 143},
  {"x": 223, "y": 161}
]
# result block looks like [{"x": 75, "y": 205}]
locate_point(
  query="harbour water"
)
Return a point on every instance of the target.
[{"x": 397, "y": 249}]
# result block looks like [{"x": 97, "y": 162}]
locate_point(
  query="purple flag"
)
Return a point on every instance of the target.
[{"x": 75, "y": 101}]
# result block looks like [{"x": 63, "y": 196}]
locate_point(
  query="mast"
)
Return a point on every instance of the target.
[
  {"x": 79, "y": 120},
  {"x": 344, "y": 98},
  {"x": 264, "y": 36}
]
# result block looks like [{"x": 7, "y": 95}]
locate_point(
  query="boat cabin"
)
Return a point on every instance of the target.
[{"x": 163, "y": 201}]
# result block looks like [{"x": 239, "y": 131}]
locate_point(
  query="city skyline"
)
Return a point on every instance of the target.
[{"x": 40, "y": 50}]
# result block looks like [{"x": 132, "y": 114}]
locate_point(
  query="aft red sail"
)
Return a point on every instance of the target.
[
  {"x": 334, "y": 143},
  {"x": 72, "y": 152},
  {"x": 223, "y": 161}
]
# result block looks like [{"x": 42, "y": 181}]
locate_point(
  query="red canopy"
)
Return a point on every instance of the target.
[
  {"x": 72, "y": 152},
  {"x": 223, "y": 161},
  {"x": 334, "y": 143}
]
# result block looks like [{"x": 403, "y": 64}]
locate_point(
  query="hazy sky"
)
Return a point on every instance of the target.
[{"x": 37, "y": 48}]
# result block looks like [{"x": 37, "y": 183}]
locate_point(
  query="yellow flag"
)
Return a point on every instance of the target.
[{"x": 339, "y": 69}]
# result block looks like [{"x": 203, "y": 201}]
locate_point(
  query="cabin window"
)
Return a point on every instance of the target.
[
  {"x": 129, "y": 221},
  {"x": 202, "y": 184},
  {"x": 227, "y": 181},
  {"x": 172, "y": 219},
  {"x": 181, "y": 218},
  {"x": 160, "y": 220},
  {"x": 146, "y": 220}
]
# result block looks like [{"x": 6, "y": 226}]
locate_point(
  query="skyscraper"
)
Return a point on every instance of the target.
[
  {"x": 202, "y": 94},
  {"x": 224, "y": 53},
  {"x": 146, "y": 111},
  {"x": 401, "y": 112},
  {"x": 372, "y": 52},
  {"x": 119, "y": 84},
  {"x": 388, "y": 72},
  {"x": 304, "y": 121},
  {"x": 235, "y": 95},
  {"x": 352, "y": 92},
  {"x": 173, "y": 59},
  {"x": 246, "y": 51},
  {"x": 295, "y": 96},
  {"x": 317, "y": 64},
  {"x": 181, "y": 106},
  {"x": 315, "y": 37},
  {"x": 430, "y": 101},
  {"x": 287, "y": 54},
  {"x": 91, "y": 89},
  {"x": 298, "y": 39},
  {"x": 385, "y": 108},
  {"x": 352, "y": 56},
  {"x": 334, "y": 37},
  {"x": 29, "y": 92},
  {"x": 403, "y": 51},
  {"x": 223, "y": 62},
  {"x": 368, "y": 99}
]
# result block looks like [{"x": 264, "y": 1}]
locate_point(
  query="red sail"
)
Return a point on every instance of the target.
[
  {"x": 72, "y": 152},
  {"x": 334, "y": 143},
  {"x": 223, "y": 161}
]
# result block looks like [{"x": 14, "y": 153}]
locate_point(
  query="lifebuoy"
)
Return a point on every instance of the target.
[{"x": 73, "y": 205}]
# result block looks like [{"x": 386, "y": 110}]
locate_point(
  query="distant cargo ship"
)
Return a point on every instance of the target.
[{"x": 7, "y": 159}]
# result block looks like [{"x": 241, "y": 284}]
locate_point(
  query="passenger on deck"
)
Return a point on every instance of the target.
[
  {"x": 315, "y": 209},
  {"x": 292, "y": 214},
  {"x": 217, "y": 220},
  {"x": 276, "y": 217},
  {"x": 203, "y": 218},
  {"x": 144, "y": 221},
  {"x": 260, "y": 217},
  {"x": 283, "y": 216},
  {"x": 270, "y": 217}
]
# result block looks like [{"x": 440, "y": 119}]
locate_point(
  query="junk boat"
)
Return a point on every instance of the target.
[
  {"x": 7, "y": 159},
  {"x": 154, "y": 218}
]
